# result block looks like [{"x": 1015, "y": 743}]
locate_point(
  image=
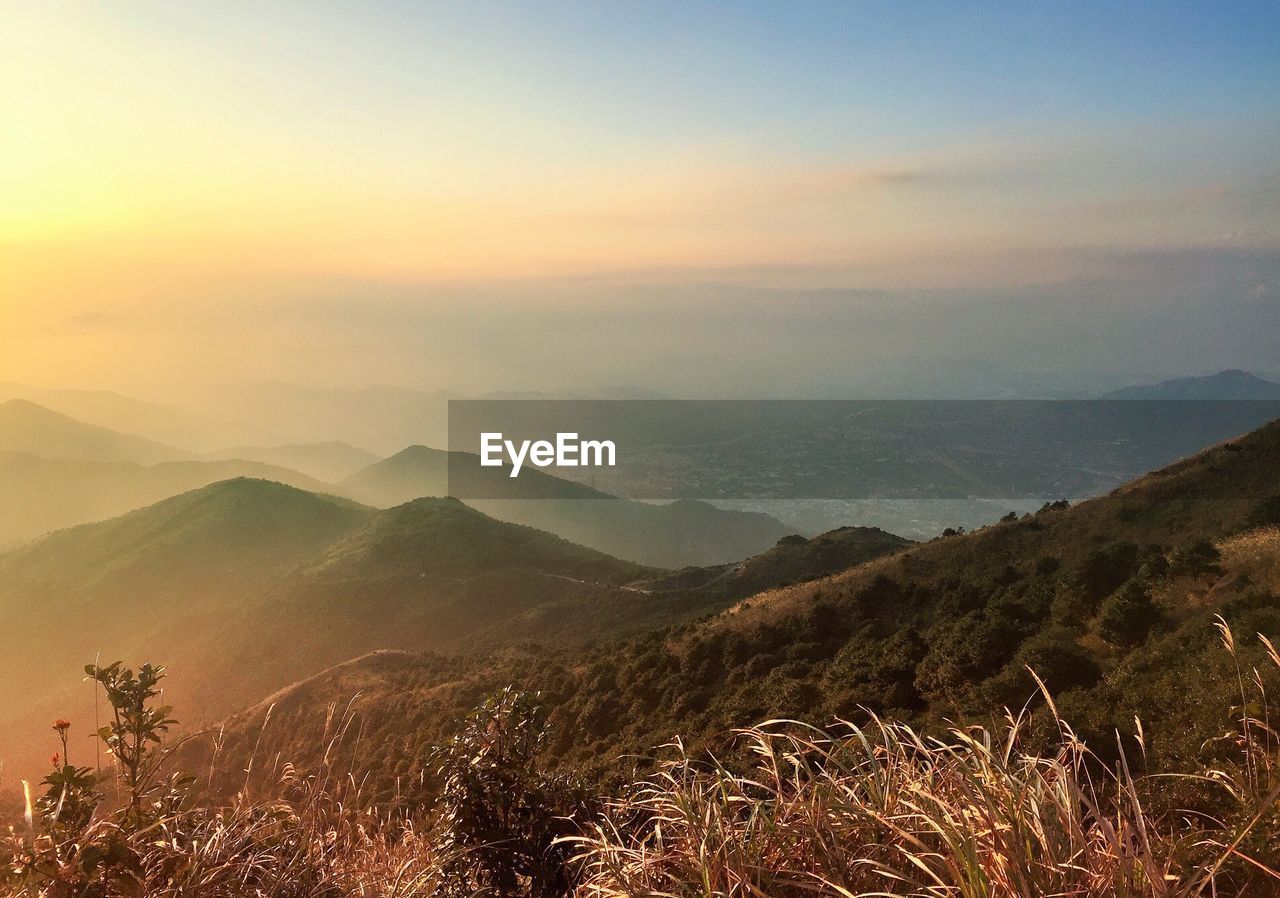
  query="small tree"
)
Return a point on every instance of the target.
[
  {"x": 1200, "y": 557},
  {"x": 1128, "y": 615},
  {"x": 501, "y": 816},
  {"x": 133, "y": 737}
]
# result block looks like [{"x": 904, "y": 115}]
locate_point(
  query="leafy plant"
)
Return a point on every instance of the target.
[
  {"x": 70, "y": 798},
  {"x": 1128, "y": 615},
  {"x": 138, "y": 727},
  {"x": 500, "y": 816}
]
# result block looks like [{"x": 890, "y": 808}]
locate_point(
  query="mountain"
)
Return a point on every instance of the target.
[
  {"x": 168, "y": 580},
  {"x": 793, "y": 560},
  {"x": 1111, "y": 602},
  {"x": 676, "y": 534},
  {"x": 330, "y": 462},
  {"x": 422, "y": 471},
  {"x": 1230, "y": 384},
  {"x": 246, "y": 585},
  {"x": 27, "y": 427},
  {"x": 46, "y": 494},
  {"x": 162, "y": 423},
  {"x": 383, "y": 418}
]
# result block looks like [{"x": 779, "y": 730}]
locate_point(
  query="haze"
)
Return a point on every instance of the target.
[{"x": 753, "y": 199}]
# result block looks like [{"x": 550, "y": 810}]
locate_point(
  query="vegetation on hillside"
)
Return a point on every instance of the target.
[
  {"x": 1108, "y": 601},
  {"x": 847, "y": 811},
  {"x": 246, "y": 586}
]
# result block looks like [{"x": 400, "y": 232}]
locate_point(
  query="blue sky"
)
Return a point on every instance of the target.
[{"x": 165, "y": 162}]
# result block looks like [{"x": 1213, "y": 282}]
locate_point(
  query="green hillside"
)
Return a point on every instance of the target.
[
  {"x": 246, "y": 585},
  {"x": 164, "y": 579},
  {"x": 794, "y": 559},
  {"x": 1111, "y": 602}
]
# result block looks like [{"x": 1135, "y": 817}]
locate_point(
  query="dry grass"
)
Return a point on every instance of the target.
[
  {"x": 1255, "y": 553},
  {"x": 884, "y": 811},
  {"x": 873, "y": 811},
  {"x": 307, "y": 844}
]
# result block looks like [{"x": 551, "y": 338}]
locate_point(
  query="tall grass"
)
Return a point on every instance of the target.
[
  {"x": 881, "y": 810},
  {"x": 876, "y": 810},
  {"x": 307, "y": 842}
]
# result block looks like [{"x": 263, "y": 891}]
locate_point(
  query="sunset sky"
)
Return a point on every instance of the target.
[{"x": 399, "y": 192}]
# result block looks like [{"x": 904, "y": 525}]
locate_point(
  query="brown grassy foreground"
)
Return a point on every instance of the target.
[{"x": 877, "y": 810}]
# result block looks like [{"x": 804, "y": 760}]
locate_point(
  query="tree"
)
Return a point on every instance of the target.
[
  {"x": 133, "y": 736},
  {"x": 1106, "y": 568},
  {"x": 1200, "y": 557},
  {"x": 1128, "y": 615},
  {"x": 1070, "y": 606},
  {"x": 502, "y": 817}
]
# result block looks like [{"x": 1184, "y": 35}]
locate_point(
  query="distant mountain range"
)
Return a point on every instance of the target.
[
  {"x": 27, "y": 427},
  {"x": 331, "y": 461},
  {"x": 56, "y": 471},
  {"x": 1230, "y": 384},
  {"x": 46, "y": 494},
  {"x": 162, "y": 423},
  {"x": 59, "y": 472}
]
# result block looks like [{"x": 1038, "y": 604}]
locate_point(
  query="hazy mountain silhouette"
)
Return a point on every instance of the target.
[
  {"x": 382, "y": 418},
  {"x": 27, "y": 427},
  {"x": 1230, "y": 384},
  {"x": 152, "y": 420},
  {"x": 676, "y": 534},
  {"x": 45, "y": 494},
  {"x": 330, "y": 462}
]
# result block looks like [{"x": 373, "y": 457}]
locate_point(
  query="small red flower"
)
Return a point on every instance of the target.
[
  {"x": 61, "y": 725},
  {"x": 55, "y": 759}
]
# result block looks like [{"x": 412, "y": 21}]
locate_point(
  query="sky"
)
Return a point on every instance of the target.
[{"x": 694, "y": 197}]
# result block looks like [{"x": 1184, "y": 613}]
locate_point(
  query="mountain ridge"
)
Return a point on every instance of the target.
[
  {"x": 1229, "y": 384},
  {"x": 28, "y": 427}
]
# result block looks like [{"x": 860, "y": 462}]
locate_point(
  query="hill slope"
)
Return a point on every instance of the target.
[
  {"x": 27, "y": 427},
  {"x": 162, "y": 423},
  {"x": 246, "y": 585},
  {"x": 672, "y": 535},
  {"x": 1111, "y": 602},
  {"x": 45, "y": 494}
]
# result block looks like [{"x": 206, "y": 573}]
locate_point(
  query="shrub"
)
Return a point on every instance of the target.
[
  {"x": 1265, "y": 513},
  {"x": 1128, "y": 615},
  {"x": 1104, "y": 569},
  {"x": 1200, "y": 557},
  {"x": 500, "y": 817}
]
